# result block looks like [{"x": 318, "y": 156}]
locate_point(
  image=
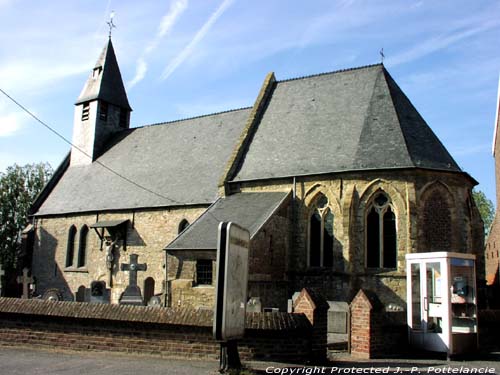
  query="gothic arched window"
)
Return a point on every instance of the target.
[
  {"x": 381, "y": 248},
  {"x": 182, "y": 225},
  {"x": 70, "y": 249},
  {"x": 321, "y": 237},
  {"x": 82, "y": 247}
]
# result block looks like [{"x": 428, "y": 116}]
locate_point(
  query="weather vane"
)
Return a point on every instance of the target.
[
  {"x": 382, "y": 56},
  {"x": 110, "y": 23}
]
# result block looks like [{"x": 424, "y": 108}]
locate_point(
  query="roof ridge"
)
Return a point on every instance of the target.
[
  {"x": 331, "y": 72},
  {"x": 192, "y": 118}
]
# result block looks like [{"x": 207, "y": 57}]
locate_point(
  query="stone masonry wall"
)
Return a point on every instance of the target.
[
  {"x": 148, "y": 233},
  {"x": 267, "y": 270},
  {"x": 349, "y": 195}
]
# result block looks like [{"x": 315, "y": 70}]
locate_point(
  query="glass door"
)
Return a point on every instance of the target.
[{"x": 428, "y": 305}]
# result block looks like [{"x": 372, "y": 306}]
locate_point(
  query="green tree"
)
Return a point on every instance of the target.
[
  {"x": 19, "y": 186},
  {"x": 486, "y": 209}
]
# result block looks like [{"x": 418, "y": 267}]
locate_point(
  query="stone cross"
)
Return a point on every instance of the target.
[
  {"x": 2, "y": 273},
  {"x": 133, "y": 267},
  {"x": 25, "y": 280},
  {"x": 132, "y": 294}
]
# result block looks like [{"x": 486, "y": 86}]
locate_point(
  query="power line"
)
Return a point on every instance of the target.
[{"x": 83, "y": 152}]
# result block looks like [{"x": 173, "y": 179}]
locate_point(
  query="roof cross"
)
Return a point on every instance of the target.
[
  {"x": 26, "y": 281},
  {"x": 110, "y": 23},
  {"x": 382, "y": 56}
]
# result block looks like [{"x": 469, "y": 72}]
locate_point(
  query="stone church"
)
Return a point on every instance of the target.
[{"x": 335, "y": 175}]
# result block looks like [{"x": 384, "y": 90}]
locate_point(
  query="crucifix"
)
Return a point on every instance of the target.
[
  {"x": 132, "y": 294},
  {"x": 26, "y": 281},
  {"x": 110, "y": 23},
  {"x": 2, "y": 273}
]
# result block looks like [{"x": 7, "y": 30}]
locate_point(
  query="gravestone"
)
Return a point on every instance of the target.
[
  {"x": 338, "y": 318},
  {"x": 132, "y": 294},
  {"x": 2, "y": 273},
  {"x": 26, "y": 281},
  {"x": 254, "y": 305},
  {"x": 99, "y": 293}
]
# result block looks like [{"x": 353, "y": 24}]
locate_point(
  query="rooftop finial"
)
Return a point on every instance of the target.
[
  {"x": 382, "y": 56},
  {"x": 110, "y": 23}
]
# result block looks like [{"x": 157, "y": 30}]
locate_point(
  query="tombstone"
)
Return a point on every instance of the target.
[
  {"x": 81, "y": 294},
  {"x": 132, "y": 294},
  {"x": 155, "y": 301},
  {"x": 254, "y": 304},
  {"x": 149, "y": 289},
  {"x": 338, "y": 322},
  {"x": 2, "y": 273},
  {"x": 26, "y": 281},
  {"x": 52, "y": 294},
  {"x": 99, "y": 293}
]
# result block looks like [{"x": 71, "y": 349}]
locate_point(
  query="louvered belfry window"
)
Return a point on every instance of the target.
[{"x": 85, "y": 111}]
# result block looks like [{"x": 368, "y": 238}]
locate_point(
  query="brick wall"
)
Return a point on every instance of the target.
[
  {"x": 315, "y": 308},
  {"x": 147, "y": 330},
  {"x": 374, "y": 331}
]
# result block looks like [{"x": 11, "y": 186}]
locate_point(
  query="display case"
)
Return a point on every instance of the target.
[{"x": 441, "y": 302}]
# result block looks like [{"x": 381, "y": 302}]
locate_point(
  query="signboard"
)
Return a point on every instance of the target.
[{"x": 232, "y": 281}]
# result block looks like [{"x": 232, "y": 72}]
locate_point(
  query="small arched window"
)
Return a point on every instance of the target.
[
  {"x": 321, "y": 237},
  {"x": 70, "y": 249},
  {"x": 82, "y": 247},
  {"x": 182, "y": 225},
  {"x": 381, "y": 249}
]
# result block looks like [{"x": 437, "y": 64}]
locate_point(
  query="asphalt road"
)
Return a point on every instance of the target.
[{"x": 28, "y": 361}]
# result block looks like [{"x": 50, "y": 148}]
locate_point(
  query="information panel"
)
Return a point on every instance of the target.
[{"x": 232, "y": 281}]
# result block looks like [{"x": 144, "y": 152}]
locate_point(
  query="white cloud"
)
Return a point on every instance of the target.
[
  {"x": 184, "y": 54},
  {"x": 167, "y": 23},
  {"x": 140, "y": 73},
  {"x": 10, "y": 124}
]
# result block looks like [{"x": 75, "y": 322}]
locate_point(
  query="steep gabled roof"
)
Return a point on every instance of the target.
[
  {"x": 355, "y": 119},
  {"x": 180, "y": 162},
  {"x": 105, "y": 82}
]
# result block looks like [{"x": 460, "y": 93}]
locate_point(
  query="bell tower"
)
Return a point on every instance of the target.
[{"x": 101, "y": 109}]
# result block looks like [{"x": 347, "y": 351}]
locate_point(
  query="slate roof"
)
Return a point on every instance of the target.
[
  {"x": 182, "y": 161},
  {"x": 108, "y": 84},
  {"x": 351, "y": 120},
  {"x": 356, "y": 119},
  {"x": 249, "y": 210}
]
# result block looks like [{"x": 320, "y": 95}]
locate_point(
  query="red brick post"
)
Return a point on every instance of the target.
[
  {"x": 315, "y": 308},
  {"x": 361, "y": 308}
]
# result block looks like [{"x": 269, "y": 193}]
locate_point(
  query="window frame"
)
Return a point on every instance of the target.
[
  {"x": 202, "y": 263},
  {"x": 70, "y": 247},
  {"x": 381, "y": 210},
  {"x": 82, "y": 247},
  {"x": 323, "y": 210}
]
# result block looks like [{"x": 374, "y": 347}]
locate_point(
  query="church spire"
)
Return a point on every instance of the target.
[
  {"x": 105, "y": 83},
  {"x": 101, "y": 110}
]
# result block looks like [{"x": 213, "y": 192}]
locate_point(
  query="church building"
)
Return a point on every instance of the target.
[{"x": 336, "y": 176}]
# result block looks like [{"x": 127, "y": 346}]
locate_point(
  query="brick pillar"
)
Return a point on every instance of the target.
[
  {"x": 361, "y": 308},
  {"x": 315, "y": 308}
]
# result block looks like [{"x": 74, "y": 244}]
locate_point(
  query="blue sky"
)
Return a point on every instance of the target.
[{"x": 183, "y": 58}]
